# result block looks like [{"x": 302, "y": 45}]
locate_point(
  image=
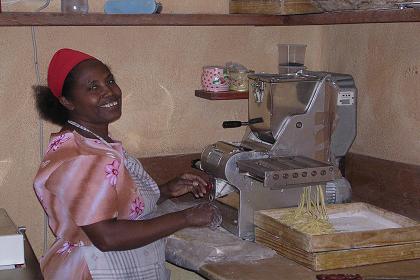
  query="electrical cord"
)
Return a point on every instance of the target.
[
  {"x": 40, "y": 121},
  {"x": 46, "y": 4}
]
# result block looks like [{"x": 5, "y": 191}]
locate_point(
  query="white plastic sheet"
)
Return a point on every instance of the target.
[{"x": 193, "y": 247}]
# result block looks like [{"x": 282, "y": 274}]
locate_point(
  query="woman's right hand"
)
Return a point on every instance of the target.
[{"x": 205, "y": 214}]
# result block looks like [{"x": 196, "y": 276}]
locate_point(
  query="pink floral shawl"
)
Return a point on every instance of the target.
[{"x": 81, "y": 181}]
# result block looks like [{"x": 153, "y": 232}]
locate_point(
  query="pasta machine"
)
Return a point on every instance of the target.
[{"x": 300, "y": 126}]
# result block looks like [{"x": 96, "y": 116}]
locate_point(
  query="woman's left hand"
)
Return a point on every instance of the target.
[{"x": 184, "y": 184}]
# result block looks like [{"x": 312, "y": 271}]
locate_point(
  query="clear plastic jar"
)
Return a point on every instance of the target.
[
  {"x": 238, "y": 79},
  {"x": 75, "y": 6}
]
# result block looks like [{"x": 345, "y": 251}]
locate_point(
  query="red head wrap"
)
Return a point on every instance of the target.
[{"x": 63, "y": 61}]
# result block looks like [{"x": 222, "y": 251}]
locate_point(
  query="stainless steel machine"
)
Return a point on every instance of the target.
[{"x": 300, "y": 126}]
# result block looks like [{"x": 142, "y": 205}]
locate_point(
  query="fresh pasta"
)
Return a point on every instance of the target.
[{"x": 311, "y": 215}]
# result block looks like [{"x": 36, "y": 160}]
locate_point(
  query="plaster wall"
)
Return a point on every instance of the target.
[{"x": 384, "y": 60}]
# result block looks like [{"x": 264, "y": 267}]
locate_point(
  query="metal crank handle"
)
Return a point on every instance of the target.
[{"x": 233, "y": 124}]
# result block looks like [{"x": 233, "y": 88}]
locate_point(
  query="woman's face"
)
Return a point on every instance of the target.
[{"x": 95, "y": 96}]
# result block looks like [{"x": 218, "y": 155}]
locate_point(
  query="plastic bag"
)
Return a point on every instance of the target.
[{"x": 193, "y": 247}]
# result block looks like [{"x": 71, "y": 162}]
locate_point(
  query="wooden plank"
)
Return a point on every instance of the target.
[
  {"x": 231, "y": 200},
  {"x": 340, "y": 258},
  {"x": 165, "y": 168},
  {"x": 364, "y": 256},
  {"x": 409, "y": 231},
  {"x": 388, "y": 184},
  {"x": 222, "y": 95},
  {"x": 270, "y": 224},
  {"x": 280, "y": 267},
  {"x": 279, "y": 7},
  {"x": 96, "y": 19},
  {"x": 289, "y": 251},
  {"x": 364, "y": 239},
  {"x": 354, "y": 17}
]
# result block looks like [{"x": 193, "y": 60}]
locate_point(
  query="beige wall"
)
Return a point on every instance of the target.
[
  {"x": 158, "y": 69},
  {"x": 385, "y": 62}
]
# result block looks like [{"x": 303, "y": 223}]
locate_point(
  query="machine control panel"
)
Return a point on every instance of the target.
[{"x": 345, "y": 98}]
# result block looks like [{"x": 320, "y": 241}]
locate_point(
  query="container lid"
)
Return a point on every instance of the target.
[
  {"x": 277, "y": 78},
  {"x": 234, "y": 70}
]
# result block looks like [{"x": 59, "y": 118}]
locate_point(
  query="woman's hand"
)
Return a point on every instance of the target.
[
  {"x": 184, "y": 184},
  {"x": 205, "y": 214}
]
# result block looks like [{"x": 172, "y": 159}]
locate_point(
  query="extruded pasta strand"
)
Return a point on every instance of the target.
[{"x": 311, "y": 215}]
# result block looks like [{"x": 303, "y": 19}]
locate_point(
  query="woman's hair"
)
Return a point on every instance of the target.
[{"x": 48, "y": 106}]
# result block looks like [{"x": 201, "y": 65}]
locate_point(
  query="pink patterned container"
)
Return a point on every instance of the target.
[{"x": 215, "y": 79}]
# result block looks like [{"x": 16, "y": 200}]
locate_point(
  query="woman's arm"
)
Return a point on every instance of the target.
[{"x": 119, "y": 235}]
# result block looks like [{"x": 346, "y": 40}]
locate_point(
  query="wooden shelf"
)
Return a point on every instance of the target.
[
  {"x": 355, "y": 17},
  {"x": 59, "y": 19},
  {"x": 223, "y": 95},
  {"x": 345, "y": 17}
]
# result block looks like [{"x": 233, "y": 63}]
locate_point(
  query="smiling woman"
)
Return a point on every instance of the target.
[
  {"x": 100, "y": 201},
  {"x": 83, "y": 90}
]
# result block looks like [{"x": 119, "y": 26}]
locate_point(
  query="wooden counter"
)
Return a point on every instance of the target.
[{"x": 283, "y": 268}]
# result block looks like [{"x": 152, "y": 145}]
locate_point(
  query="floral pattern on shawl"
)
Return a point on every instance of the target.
[
  {"x": 137, "y": 207},
  {"x": 55, "y": 144},
  {"x": 112, "y": 172},
  {"x": 68, "y": 247}
]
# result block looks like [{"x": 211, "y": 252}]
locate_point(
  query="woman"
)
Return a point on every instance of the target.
[{"x": 99, "y": 199}]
